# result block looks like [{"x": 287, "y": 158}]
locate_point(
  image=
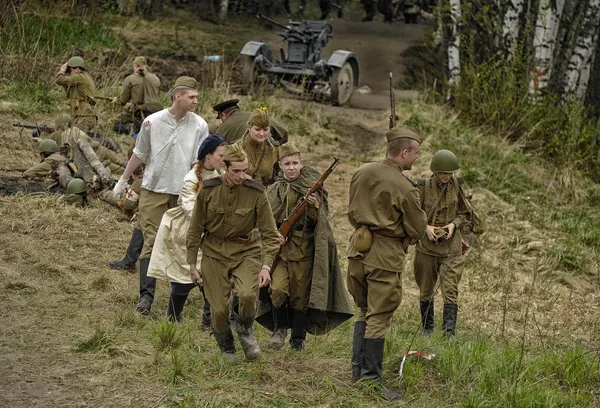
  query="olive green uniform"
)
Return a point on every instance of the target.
[
  {"x": 47, "y": 167},
  {"x": 442, "y": 260},
  {"x": 261, "y": 159},
  {"x": 236, "y": 125},
  {"x": 80, "y": 92},
  {"x": 139, "y": 97},
  {"x": 293, "y": 273},
  {"x": 240, "y": 237},
  {"x": 385, "y": 201}
]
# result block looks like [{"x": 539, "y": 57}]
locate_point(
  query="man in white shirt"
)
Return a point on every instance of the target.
[{"x": 168, "y": 143}]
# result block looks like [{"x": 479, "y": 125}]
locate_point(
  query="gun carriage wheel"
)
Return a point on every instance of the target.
[{"x": 342, "y": 84}]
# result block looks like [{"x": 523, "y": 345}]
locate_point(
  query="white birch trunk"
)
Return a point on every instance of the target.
[
  {"x": 546, "y": 30},
  {"x": 584, "y": 78},
  {"x": 584, "y": 51},
  {"x": 223, "y": 7},
  {"x": 510, "y": 27},
  {"x": 454, "y": 43}
]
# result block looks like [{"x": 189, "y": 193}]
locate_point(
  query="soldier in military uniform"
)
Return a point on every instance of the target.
[
  {"x": 238, "y": 247},
  {"x": 439, "y": 253},
  {"x": 385, "y": 210},
  {"x": 308, "y": 258},
  {"x": 80, "y": 89},
  {"x": 262, "y": 154},
  {"x": 50, "y": 157},
  {"x": 139, "y": 96},
  {"x": 370, "y": 10},
  {"x": 168, "y": 143},
  {"x": 234, "y": 123},
  {"x": 76, "y": 193}
]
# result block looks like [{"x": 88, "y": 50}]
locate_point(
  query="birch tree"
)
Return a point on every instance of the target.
[
  {"x": 223, "y": 7},
  {"x": 510, "y": 27},
  {"x": 580, "y": 63},
  {"x": 454, "y": 43},
  {"x": 544, "y": 41}
]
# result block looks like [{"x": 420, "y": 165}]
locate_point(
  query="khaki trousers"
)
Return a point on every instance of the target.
[
  {"x": 377, "y": 293},
  {"x": 151, "y": 207},
  {"x": 85, "y": 123},
  {"x": 291, "y": 279},
  {"x": 429, "y": 268},
  {"x": 219, "y": 277}
]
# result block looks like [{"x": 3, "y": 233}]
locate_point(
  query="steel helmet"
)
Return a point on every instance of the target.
[
  {"x": 444, "y": 161},
  {"x": 76, "y": 186},
  {"x": 47, "y": 146},
  {"x": 76, "y": 62}
]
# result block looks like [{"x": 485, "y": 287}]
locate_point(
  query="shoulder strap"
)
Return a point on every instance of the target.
[
  {"x": 212, "y": 182},
  {"x": 260, "y": 160},
  {"x": 254, "y": 184},
  {"x": 435, "y": 203}
]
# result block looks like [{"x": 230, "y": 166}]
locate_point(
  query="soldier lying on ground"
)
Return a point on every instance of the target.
[{"x": 50, "y": 160}]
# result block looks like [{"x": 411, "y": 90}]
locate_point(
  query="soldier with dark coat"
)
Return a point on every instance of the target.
[
  {"x": 307, "y": 274},
  {"x": 80, "y": 89},
  {"x": 439, "y": 253},
  {"x": 233, "y": 225},
  {"x": 139, "y": 96},
  {"x": 385, "y": 210},
  {"x": 234, "y": 123}
]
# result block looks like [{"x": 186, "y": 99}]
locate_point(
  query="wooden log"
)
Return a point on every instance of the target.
[
  {"x": 84, "y": 170},
  {"x": 95, "y": 163},
  {"x": 64, "y": 175}
]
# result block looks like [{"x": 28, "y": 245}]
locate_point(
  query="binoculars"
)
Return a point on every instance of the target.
[{"x": 440, "y": 235}]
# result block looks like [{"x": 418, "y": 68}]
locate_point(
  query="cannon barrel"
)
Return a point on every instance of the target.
[{"x": 261, "y": 16}]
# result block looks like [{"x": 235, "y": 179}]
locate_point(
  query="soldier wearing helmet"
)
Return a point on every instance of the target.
[
  {"x": 80, "y": 89},
  {"x": 439, "y": 253},
  {"x": 76, "y": 193},
  {"x": 50, "y": 160}
]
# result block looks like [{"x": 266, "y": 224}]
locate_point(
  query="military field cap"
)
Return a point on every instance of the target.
[
  {"x": 222, "y": 106},
  {"x": 63, "y": 121},
  {"x": 234, "y": 153},
  {"x": 209, "y": 145},
  {"x": 287, "y": 150},
  {"x": 402, "y": 132},
  {"x": 141, "y": 61},
  {"x": 185, "y": 82},
  {"x": 259, "y": 118}
]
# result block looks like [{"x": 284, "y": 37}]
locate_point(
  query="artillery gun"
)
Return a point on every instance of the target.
[{"x": 334, "y": 79}]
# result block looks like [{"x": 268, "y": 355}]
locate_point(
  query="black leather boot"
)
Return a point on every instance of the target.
[
  {"x": 449, "y": 320},
  {"x": 358, "y": 349},
  {"x": 226, "y": 344},
  {"x": 298, "y": 330},
  {"x": 372, "y": 367},
  {"x": 147, "y": 287},
  {"x": 176, "y": 304},
  {"x": 134, "y": 249},
  {"x": 427, "y": 317},
  {"x": 280, "y": 318}
]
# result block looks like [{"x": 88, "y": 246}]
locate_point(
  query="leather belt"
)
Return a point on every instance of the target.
[
  {"x": 378, "y": 235},
  {"x": 244, "y": 239}
]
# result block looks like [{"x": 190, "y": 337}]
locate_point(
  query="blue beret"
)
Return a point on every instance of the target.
[{"x": 209, "y": 145}]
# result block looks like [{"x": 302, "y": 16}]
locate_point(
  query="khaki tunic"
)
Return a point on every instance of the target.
[
  {"x": 80, "y": 92},
  {"x": 140, "y": 91},
  {"x": 239, "y": 237},
  {"x": 443, "y": 261},
  {"x": 236, "y": 125},
  {"x": 259, "y": 169},
  {"x": 70, "y": 137},
  {"x": 293, "y": 273},
  {"x": 387, "y": 202},
  {"x": 47, "y": 167}
]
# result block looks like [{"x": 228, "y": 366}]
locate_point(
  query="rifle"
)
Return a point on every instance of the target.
[
  {"x": 393, "y": 117},
  {"x": 288, "y": 223},
  {"x": 40, "y": 128}
]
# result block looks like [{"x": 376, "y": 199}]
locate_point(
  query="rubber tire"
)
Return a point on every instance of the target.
[
  {"x": 342, "y": 85},
  {"x": 250, "y": 75}
]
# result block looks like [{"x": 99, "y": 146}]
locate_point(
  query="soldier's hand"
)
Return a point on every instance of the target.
[
  {"x": 114, "y": 100},
  {"x": 282, "y": 239},
  {"x": 119, "y": 188},
  {"x": 312, "y": 200},
  {"x": 63, "y": 68},
  {"x": 195, "y": 275},
  {"x": 430, "y": 231},
  {"x": 264, "y": 278},
  {"x": 450, "y": 227}
]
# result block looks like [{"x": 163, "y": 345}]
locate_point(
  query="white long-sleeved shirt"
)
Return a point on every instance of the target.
[{"x": 169, "y": 149}]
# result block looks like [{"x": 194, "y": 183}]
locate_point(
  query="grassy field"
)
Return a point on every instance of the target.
[{"x": 529, "y": 317}]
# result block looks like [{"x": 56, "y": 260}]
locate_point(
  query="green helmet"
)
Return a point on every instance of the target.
[
  {"x": 76, "y": 186},
  {"x": 444, "y": 161},
  {"x": 63, "y": 121},
  {"x": 47, "y": 146},
  {"x": 75, "y": 62}
]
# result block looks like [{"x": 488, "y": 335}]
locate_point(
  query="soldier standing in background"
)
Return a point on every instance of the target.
[
  {"x": 80, "y": 89},
  {"x": 439, "y": 252},
  {"x": 234, "y": 123},
  {"x": 238, "y": 247},
  {"x": 168, "y": 143},
  {"x": 139, "y": 97},
  {"x": 384, "y": 209}
]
